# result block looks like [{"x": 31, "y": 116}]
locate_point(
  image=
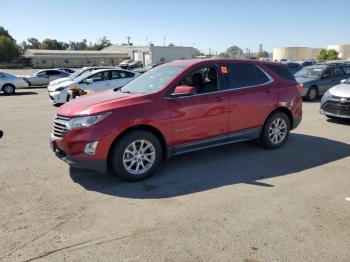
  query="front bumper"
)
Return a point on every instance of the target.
[
  {"x": 91, "y": 164},
  {"x": 58, "y": 97},
  {"x": 333, "y": 107}
]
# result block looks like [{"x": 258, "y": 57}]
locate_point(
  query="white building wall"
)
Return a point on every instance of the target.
[
  {"x": 343, "y": 50},
  {"x": 165, "y": 54}
]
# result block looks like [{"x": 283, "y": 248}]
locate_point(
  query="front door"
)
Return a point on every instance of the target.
[{"x": 202, "y": 115}]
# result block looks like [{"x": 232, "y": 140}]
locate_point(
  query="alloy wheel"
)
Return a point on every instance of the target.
[
  {"x": 278, "y": 131},
  {"x": 139, "y": 156}
]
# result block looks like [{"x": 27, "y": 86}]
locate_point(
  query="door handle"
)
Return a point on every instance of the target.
[
  {"x": 268, "y": 91},
  {"x": 219, "y": 98}
]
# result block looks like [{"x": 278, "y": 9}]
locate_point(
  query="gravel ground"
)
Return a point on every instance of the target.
[{"x": 232, "y": 203}]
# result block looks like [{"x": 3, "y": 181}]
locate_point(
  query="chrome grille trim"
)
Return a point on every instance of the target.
[{"x": 60, "y": 126}]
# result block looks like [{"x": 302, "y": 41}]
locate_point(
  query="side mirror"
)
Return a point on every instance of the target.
[
  {"x": 183, "y": 91},
  {"x": 89, "y": 81},
  {"x": 344, "y": 81}
]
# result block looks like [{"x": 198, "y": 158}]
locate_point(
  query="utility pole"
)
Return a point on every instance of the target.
[
  {"x": 164, "y": 41},
  {"x": 128, "y": 38}
]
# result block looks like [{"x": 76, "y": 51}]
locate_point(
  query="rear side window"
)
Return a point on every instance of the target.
[
  {"x": 245, "y": 75},
  {"x": 338, "y": 71},
  {"x": 346, "y": 69},
  {"x": 282, "y": 71},
  {"x": 53, "y": 72}
]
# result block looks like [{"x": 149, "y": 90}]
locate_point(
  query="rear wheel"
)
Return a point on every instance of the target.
[
  {"x": 312, "y": 93},
  {"x": 136, "y": 155},
  {"x": 8, "y": 89},
  {"x": 275, "y": 131}
]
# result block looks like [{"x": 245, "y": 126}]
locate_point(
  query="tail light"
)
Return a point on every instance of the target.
[
  {"x": 299, "y": 87},
  {"x": 25, "y": 79}
]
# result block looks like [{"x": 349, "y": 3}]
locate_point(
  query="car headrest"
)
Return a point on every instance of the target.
[{"x": 212, "y": 74}]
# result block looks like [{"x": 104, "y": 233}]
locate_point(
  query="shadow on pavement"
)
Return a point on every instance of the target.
[
  {"x": 221, "y": 166},
  {"x": 340, "y": 121},
  {"x": 20, "y": 94}
]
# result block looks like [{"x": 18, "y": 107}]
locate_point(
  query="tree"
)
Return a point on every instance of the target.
[
  {"x": 231, "y": 52},
  {"x": 33, "y": 43},
  {"x": 325, "y": 55},
  {"x": 263, "y": 54},
  {"x": 101, "y": 43},
  {"x": 8, "y": 49}
]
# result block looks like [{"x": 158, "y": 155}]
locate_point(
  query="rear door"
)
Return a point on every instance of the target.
[{"x": 251, "y": 96}]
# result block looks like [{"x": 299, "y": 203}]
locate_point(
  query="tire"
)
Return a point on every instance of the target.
[
  {"x": 269, "y": 138},
  {"x": 125, "y": 160},
  {"x": 8, "y": 89},
  {"x": 312, "y": 93}
]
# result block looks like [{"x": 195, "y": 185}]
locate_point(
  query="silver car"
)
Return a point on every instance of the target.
[
  {"x": 44, "y": 77},
  {"x": 336, "y": 101},
  {"x": 78, "y": 73},
  {"x": 9, "y": 83}
]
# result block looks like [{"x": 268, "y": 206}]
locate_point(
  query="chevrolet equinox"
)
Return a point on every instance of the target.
[{"x": 177, "y": 108}]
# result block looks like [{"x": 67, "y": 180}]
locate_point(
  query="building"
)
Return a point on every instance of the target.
[
  {"x": 154, "y": 54},
  {"x": 308, "y": 53},
  {"x": 38, "y": 58}
]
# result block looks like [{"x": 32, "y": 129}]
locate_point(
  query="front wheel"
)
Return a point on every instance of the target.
[
  {"x": 8, "y": 89},
  {"x": 136, "y": 155},
  {"x": 275, "y": 131}
]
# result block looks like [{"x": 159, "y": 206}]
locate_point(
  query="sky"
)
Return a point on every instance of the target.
[{"x": 203, "y": 24}]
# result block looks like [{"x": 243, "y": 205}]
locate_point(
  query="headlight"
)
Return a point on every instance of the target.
[
  {"x": 59, "y": 89},
  {"x": 86, "y": 120},
  {"x": 327, "y": 95}
]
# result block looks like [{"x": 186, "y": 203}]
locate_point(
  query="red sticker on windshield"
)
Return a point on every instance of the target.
[{"x": 224, "y": 70}]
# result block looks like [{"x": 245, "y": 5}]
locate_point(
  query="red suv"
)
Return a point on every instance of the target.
[{"x": 176, "y": 108}]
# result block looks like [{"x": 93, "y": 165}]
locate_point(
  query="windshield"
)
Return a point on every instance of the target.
[
  {"x": 77, "y": 73},
  {"x": 310, "y": 72},
  {"x": 153, "y": 80}
]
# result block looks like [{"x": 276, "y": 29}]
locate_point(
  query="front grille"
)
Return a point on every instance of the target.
[
  {"x": 337, "y": 108},
  {"x": 59, "y": 125}
]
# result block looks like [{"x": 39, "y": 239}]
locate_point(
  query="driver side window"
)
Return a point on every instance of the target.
[
  {"x": 204, "y": 80},
  {"x": 101, "y": 76}
]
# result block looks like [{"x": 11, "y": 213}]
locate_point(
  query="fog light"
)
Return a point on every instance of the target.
[{"x": 91, "y": 148}]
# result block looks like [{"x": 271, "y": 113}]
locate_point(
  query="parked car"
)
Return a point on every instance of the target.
[
  {"x": 317, "y": 79},
  {"x": 176, "y": 108},
  {"x": 94, "y": 81},
  {"x": 336, "y": 101},
  {"x": 146, "y": 68},
  {"x": 130, "y": 64},
  {"x": 293, "y": 67},
  {"x": 78, "y": 73},
  {"x": 9, "y": 83},
  {"x": 44, "y": 77}
]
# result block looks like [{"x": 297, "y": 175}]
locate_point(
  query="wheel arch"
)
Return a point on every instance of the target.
[
  {"x": 155, "y": 131},
  {"x": 283, "y": 110},
  {"x": 7, "y": 84}
]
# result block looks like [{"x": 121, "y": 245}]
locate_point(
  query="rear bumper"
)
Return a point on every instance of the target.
[
  {"x": 91, "y": 164},
  {"x": 296, "y": 122}
]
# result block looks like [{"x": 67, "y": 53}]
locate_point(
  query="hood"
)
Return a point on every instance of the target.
[
  {"x": 58, "y": 81},
  {"x": 303, "y": 80},
  {"x": 342, "y": 90},
  {"x": 102, "y": 101},
  {"x": 62, "y": 84}
]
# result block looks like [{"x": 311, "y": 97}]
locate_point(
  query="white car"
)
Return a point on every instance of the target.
[
  {"x": 78, "y": 73},
  {"x": 94, "y": 81},
  {"x": 9, "y": 83}
]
